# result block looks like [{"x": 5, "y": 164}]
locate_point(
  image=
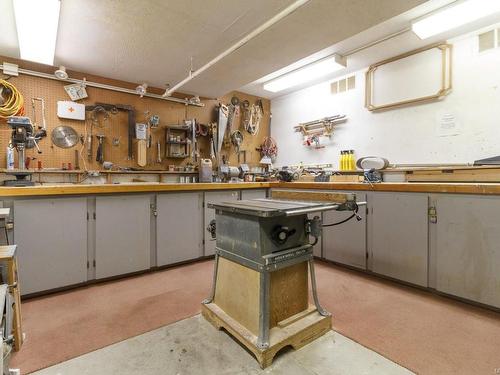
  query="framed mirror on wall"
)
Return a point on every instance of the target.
[{"x": 414, "y": 77}]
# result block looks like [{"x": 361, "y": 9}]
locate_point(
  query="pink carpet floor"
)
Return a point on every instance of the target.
[{"x": 426, "y": 333}]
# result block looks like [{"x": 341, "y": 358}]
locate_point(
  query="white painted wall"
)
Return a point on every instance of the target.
[{"x": 405, "y": 135}]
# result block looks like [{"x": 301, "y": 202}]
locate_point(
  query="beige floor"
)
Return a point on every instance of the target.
[
  {"x": 421, "y": 331},
  {"x": 192, "y": 346}
]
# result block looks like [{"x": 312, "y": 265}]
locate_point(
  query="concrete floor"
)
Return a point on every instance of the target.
[{"x": 192, "y": 346}]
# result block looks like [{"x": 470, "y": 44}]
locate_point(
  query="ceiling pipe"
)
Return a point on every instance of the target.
[
  {"x": 105, "y": 87},
  {"x": 285, "y": 12},
  {"x": 375, "y": 42}
]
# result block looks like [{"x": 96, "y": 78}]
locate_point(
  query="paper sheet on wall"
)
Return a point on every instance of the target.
[{"x": 447, "y": 125}]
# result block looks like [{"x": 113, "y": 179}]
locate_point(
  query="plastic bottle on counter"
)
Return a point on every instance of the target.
[
  {"x": 349, "y": 160},
  {"x": 353, "y": 161},
  {"x": 342, "y": 161},
  {"x": 10, "y": 158}
]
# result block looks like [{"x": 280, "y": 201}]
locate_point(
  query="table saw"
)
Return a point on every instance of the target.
[{"x": 264, "y": 254}]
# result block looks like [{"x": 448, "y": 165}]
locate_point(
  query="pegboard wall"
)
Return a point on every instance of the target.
[{"x": 116, "y": 126}]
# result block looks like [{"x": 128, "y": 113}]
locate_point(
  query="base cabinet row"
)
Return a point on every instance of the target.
[
  {"x": 458, "y": 253},
  {"x": 68, "y": 241}
]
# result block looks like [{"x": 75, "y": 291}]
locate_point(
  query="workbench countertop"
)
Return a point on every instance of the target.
[
  {"x": 413, "y": 187},
  {"x": 83, "y": 189}
]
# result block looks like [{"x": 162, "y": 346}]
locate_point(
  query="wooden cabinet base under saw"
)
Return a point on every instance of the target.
[
  {"x": 293, "y": 322},
  {"x": 263, "y": 264}
]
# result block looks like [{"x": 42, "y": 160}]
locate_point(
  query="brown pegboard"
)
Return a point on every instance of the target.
[{"x": 117, "y": 126}]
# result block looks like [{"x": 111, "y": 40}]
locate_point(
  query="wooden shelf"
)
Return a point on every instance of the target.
[
  {"x": 183, "y": 146},
  {"x": 177, "y": 127},
  {"x": 61, "y": 171}
]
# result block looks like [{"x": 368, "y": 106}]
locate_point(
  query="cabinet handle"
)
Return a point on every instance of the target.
[{"x": 432, "y": 215}]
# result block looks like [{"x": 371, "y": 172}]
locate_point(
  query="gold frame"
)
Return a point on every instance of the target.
[{"x": 446, "y": 85}]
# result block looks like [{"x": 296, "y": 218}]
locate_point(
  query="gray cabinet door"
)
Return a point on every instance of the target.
[
  {"x": 51, "y": 238},
  {"x": 122, "y": 235},
  {"x": 179, "y": 227},
  {"x": 399, "y": 236},
  {"x": 253, "y": 194},
  {"x": 214, "y": 197},
  {"x": 468, "y": 247},
  {"x": 346, "y": 243}
]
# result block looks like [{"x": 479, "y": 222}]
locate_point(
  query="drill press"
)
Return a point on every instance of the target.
[{"x": 23, "y": 137}]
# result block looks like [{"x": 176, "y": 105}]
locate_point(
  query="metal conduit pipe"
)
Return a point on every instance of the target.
[
  {"x": 375, "y": 42},
  {"x": 105, "y": 87},
  {"x": 285, "y": 12}
]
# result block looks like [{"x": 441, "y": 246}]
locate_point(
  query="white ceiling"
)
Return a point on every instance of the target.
[
  {"x": 392, "y": 47},
  {"x": 152, "y": 41}
]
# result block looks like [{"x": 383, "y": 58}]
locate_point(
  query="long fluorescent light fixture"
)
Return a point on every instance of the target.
[
  {"x": 453, "y": 16},
  {"x": 37, "y": 22},
  {"x": 307, "y": 73}
]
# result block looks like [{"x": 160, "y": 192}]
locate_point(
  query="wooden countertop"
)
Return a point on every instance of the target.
[
  {"x": 414, "y": 187},
  {"x": 81, "y": 189}
]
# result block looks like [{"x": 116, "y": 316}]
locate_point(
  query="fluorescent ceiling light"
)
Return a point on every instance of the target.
[
  {"x": 453, "y": 16},
  {"x": 307, "y": 73},
  {"x": 37, "y": 22}
]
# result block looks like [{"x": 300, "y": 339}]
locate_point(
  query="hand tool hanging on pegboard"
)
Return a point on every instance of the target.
[
  {"x": 221, "y": 127},
  {"x": 141, "y": 134},
  {"x": 100, "y": 149},
  {"x": 195, "y": 154},
  {"x": 237, "y": 140},
  {"x": 114, "y": 108},
  {"x": 212, "y": 132},
  {"x": 158, "y": 152},
  {"x": 40, "y": 131},
  {"x": 95, "y": 111},
  {"x": 252, "y": 115}
]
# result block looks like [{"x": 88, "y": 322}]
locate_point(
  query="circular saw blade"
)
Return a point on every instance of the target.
[{"x": 64, "y": 136}]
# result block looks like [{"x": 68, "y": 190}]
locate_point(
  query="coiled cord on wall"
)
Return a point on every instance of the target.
[{"x": 11, "y": 100}]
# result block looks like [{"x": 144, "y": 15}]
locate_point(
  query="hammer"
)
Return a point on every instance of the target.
[{"x": 100, "y": 153}]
